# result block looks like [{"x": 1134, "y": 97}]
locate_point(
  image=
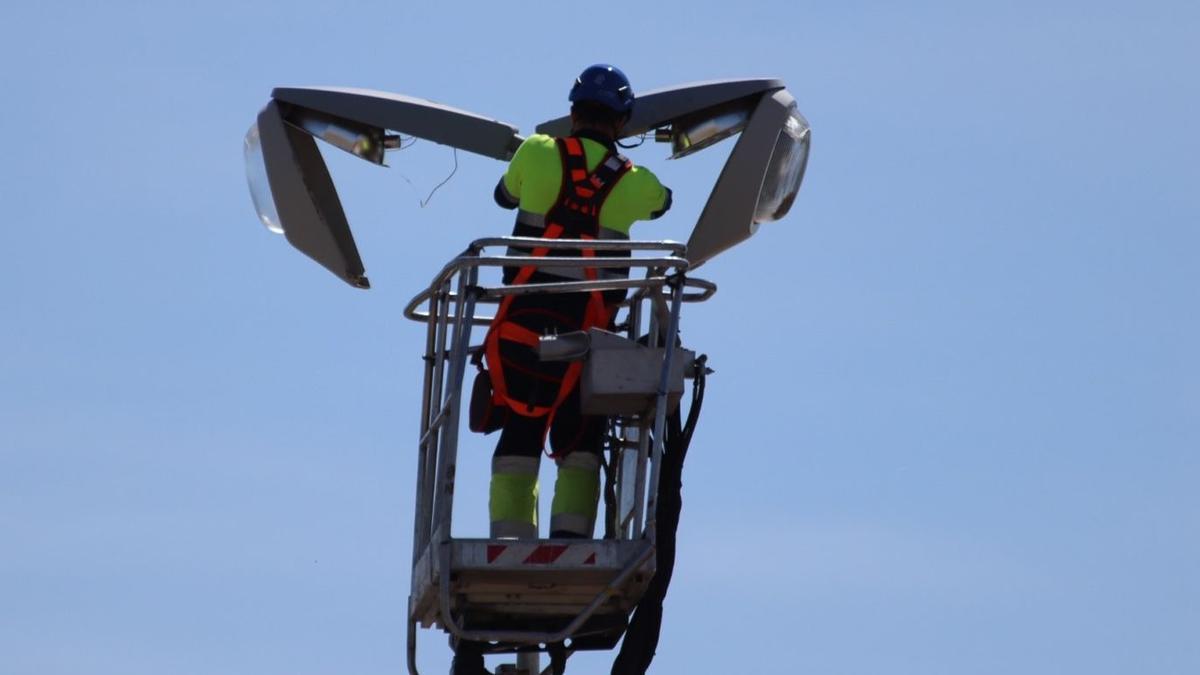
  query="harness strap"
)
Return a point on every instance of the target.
[
  {"x": 584, "y": 193},
  {"x": 518, "y": 333}
]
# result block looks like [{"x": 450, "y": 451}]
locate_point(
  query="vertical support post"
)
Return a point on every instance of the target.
[
  {"x": 660, "y": 405},
  {"x": 460, "y": 341},
  {"x": 439, "y": 355},
  {"x": 529, "y": 663},
  {"x": 632, "y": 474},
  {"x": 426, "y": 452},
  {"x": 635, "y": 316},
  {"x": 640, "y": 510},
  {"x": 639, "y": 481},
  {"x": 437, "y": 419},
  {"x": 627, "y": 479}
]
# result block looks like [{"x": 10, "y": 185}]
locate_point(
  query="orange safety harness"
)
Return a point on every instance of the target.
[{"x": 575, "y": 214}]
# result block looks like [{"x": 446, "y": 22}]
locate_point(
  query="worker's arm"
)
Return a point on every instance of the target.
[
  {"x": 638, "y": 196},
  {"x": 534, "y": 154},
  {"x": 666, "y": 205},
  {"x": 508, "y": 191},
  {"x": 504, "y": 198},
  {"x": 652, "y": 198}
]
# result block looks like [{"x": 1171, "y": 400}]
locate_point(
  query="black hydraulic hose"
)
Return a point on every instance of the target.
[{"x": 641, "y": 638}]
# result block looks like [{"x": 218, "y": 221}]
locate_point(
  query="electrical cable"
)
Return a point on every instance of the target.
[
  {"x": 425, "y": 202},
  {"x": 641, "y": 139},
  {"x": 641, "y": 637},
  {"x": 453, "y": 171}
]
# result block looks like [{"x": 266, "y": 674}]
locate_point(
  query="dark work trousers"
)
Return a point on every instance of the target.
[{"x": 528, "y": 379}]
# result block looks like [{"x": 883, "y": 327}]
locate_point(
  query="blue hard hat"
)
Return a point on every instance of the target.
[{"x": 604, "y": 85}]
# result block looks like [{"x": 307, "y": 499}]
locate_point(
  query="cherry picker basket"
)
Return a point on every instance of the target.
[{"x": 521, "y": 596}]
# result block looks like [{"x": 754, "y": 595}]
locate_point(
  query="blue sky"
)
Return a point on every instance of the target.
[{"x": 955, "y": 420}]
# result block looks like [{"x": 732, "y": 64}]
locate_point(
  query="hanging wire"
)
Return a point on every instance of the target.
[
  {"x": 425, "y": 202},
  {"x": 641, "y": 139},
  {"x": 453, "y": 171},
  {"x": 398, "y": 142}
]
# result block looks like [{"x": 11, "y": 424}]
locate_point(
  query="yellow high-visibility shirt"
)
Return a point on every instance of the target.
[{"x": 534, "y": 177}]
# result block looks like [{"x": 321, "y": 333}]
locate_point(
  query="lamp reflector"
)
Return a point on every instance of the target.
[
  {"x": 693, "y": 135},
  {"x": 359, "y": 140}
]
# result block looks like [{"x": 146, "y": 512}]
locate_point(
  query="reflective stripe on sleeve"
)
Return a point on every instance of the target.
[{"x": 531, "y": 219}]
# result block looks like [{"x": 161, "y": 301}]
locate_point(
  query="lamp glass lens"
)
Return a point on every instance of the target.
[
  {"x": 260, "y": 187},
  {"x": 786, "y": 169}
]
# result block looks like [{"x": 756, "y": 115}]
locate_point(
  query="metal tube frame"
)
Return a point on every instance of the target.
[
  {"x": 660, "y": 406},
  {"x": 451, "y": 300}
]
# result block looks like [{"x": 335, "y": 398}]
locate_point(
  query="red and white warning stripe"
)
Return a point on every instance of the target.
[{"x": 541, "y": 554}]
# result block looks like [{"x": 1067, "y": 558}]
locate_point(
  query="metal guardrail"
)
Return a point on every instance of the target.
[
  {"x": 448, "y": 309},
  {"x": 656, "y": 271}
]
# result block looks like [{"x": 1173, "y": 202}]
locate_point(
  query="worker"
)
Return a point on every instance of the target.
[{"x": 576, "y": 187}]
